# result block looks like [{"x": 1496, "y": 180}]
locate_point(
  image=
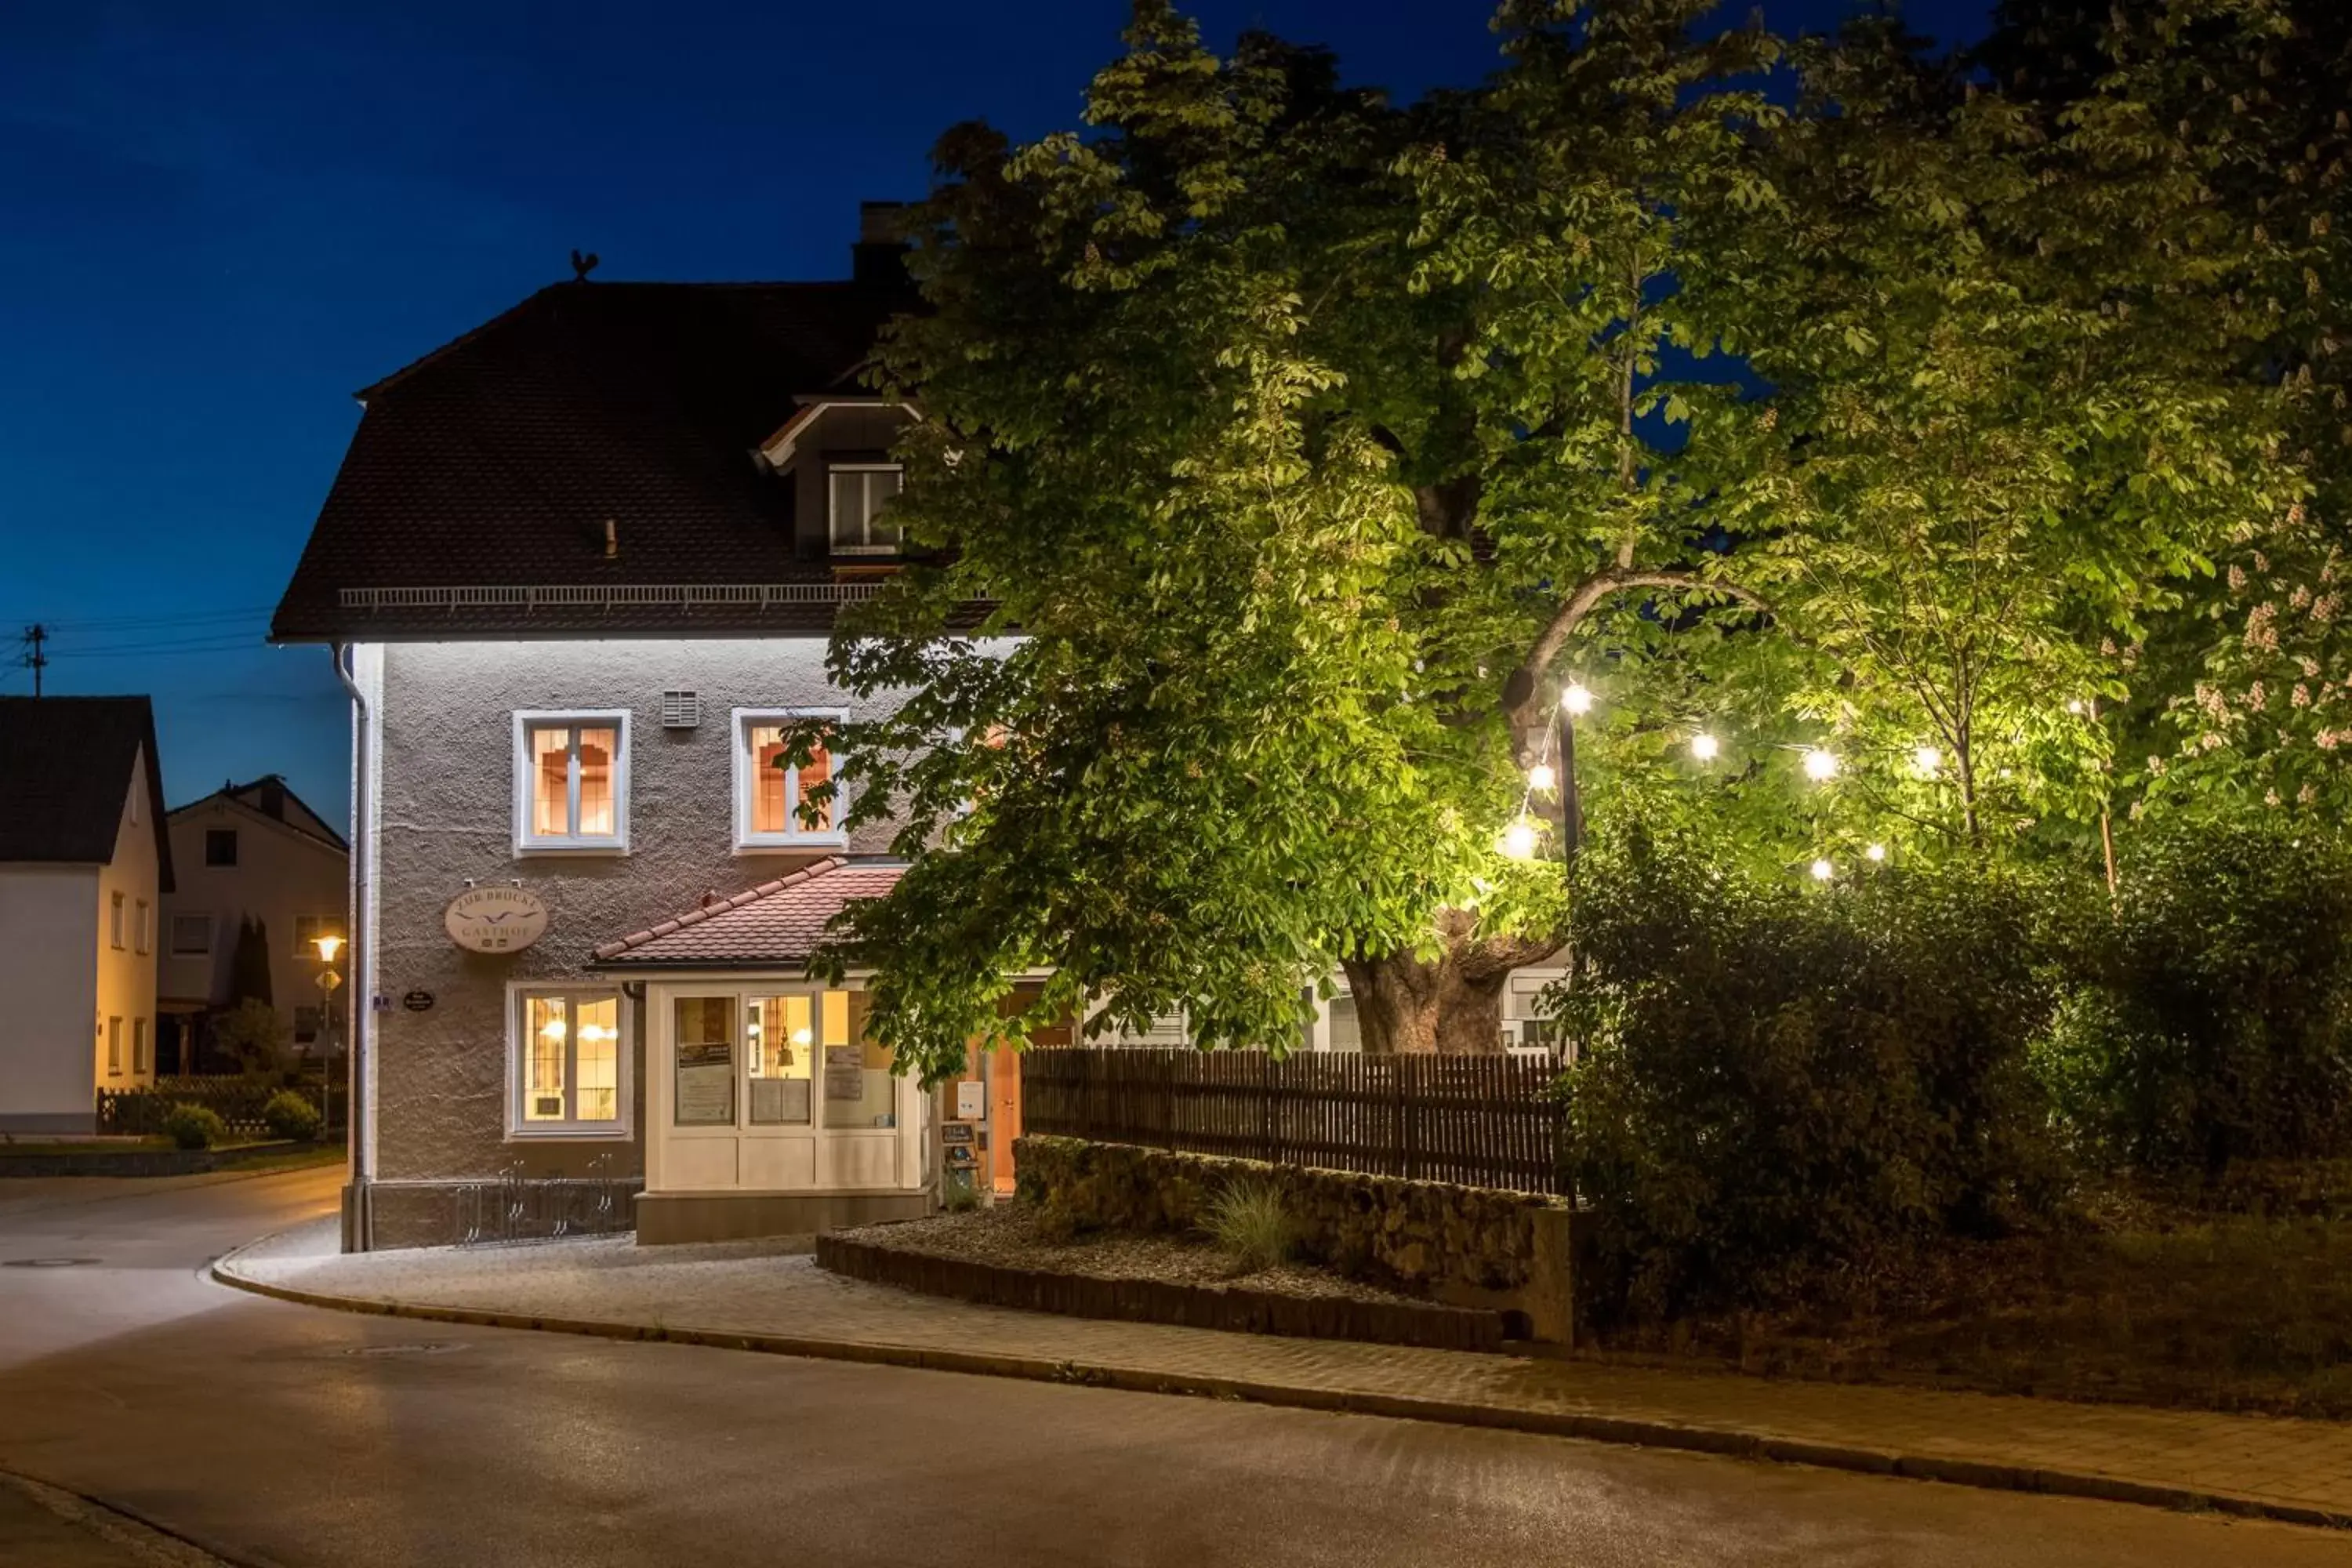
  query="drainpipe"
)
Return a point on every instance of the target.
[{"x": 360, "y": 1023}]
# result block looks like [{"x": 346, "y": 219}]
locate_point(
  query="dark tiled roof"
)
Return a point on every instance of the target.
[
  {"x": 496, "y": 462},
  {"x": 270, "y": 795},
  {"x": 778, "y": 922},
  {"x": 65, "y": 765}
]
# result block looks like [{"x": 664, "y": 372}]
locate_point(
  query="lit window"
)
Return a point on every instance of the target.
[
  {"x": 778, "y": 805},
  {"x": 572, "y": 781},
  {"x": 861, "y": 494},
  {"x": 114, "y": 922},
  {"x": 568, "y": 1063},
  {"x": 191, "y": 936}
]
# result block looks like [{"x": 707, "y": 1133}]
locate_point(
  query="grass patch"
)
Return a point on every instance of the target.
[
  {"x": 2142, "y": 1304},
  {"x": 1249, "y": 1225}
]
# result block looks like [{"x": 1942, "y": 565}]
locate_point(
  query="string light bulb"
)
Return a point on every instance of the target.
[
  {"x": 1576, "y": 698},
  {"x": 2074, "y": 705},
  {"x": 1928, "y": 761},
  {"x": 1542, "y": 777},
  {"x": 1823, "y": 871},
  {"x": 1705, "y": 747},
  {"x": 1821, "y": 766},
  {"x": 1875, "y": 852},
  {"x": 1520, "y": 840}
]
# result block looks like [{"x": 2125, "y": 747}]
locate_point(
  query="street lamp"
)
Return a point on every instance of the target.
[{"x": 327, "y": 946}]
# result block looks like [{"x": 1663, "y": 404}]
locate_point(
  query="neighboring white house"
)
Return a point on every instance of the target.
[
  {"x": 84, "y": 863},
  {"x": 251, "y": 851}
]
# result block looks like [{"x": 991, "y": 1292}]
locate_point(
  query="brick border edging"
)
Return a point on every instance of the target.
[
  {"x": 1237, "y": 1310},
  {"x": 1731, "y": 1442}
]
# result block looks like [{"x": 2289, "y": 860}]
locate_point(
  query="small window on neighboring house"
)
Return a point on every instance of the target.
[
  {"x": 572, "y": 781},
  {"x": 191, "y": 936},
  {"x": 138, "y": 1045},
  {"x": 146, "y": 927},
  {"x": 114, "y": 1048},
  {"x": 568, "y": 1064},
  {"x": 778, "y": 805},
  {"x": 220, "y": 846},
  {"x": 114, "y": 922},
  {"x": 861, "y": 493}
]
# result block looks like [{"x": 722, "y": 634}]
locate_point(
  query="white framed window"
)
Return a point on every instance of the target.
[
  {"x": 567, "y": 1062},
  {"x": 571, "y": 782},
  {"x": 191, "y": 936},
  {"x": 114, "y": 1048},
  {"x": 138, "y": 1045},
  {"x": 146, "y": 927},
  {"x": 114, "y": 922},
  {"x": 773, "y": 809},
  {"x": 857, "y": 497}
]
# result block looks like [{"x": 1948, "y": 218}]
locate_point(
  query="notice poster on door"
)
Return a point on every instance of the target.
[
  {"x": 845, "y": 1072},
  {"x": 706, "y": 1085}
]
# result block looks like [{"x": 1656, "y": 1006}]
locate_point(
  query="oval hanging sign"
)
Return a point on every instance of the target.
[{"x": 496, "y": 919}]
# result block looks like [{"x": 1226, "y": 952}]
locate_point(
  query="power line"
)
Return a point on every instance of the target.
[
  {"x": 186, "y": 617},
  {"x": 241, "y": 646},
  {"x": 168, "y": 645},
  {"x": 34, "y": 659}
]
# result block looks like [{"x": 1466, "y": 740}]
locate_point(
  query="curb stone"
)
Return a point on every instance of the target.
[{"x": 1728, "y": 1442}]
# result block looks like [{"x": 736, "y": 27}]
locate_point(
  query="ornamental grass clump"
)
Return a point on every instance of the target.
[{"x": 1250, "y": 1224}]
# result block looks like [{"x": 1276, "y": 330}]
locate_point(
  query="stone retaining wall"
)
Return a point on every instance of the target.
[{"x": 1469, "y": 1246}]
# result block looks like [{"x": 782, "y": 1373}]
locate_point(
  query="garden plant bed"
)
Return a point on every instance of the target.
[
  {"x": 2235, "y": 1312},
  {"x": 1000, "y": 1256}
]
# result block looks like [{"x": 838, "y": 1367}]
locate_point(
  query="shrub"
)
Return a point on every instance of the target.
[
  {"x": 2212, "y": 1023},
  {"x": 250, "y": 1032},
  {"x": 1776, "y": 1084},
  {"x": 193, "y": 1126},
  {"x": 1252, "y": 1225},
  {"x": 291, "y": 1116}
]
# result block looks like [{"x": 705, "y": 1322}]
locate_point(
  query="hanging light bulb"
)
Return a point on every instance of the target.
[
  {"x": 1520, "y": 840},
  {"x": 1574, "y": 698},
  {"x": 2074, "y": 705},
  {"x": 1821, "y": 766},
  {"x": 1928, "y": 761},
  {"x": 1542, "y": 777},
  {"x": 1823, "y": 871},
  {"x": 1876, "y": 852},
  {"x": 1705, "y": 747}
]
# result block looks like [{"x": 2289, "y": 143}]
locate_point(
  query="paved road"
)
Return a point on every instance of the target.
[{"x": 275, "y": 1433}]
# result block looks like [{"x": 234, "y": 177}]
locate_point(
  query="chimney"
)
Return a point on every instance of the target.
[
  {"x": 273, "y": 797},
  {"x": 879, "y": 256}
]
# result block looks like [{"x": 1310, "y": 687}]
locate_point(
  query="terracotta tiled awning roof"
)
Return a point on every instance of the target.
[{"x": 775, "y": 924}]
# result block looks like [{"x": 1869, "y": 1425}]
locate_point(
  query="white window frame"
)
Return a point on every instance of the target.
[
  {"x": 173, "y": 936},
  {"x": 139, "y": 1047},
  {"x": 519, "y": 993},
  {"x": 527, "y": 842},
  {"x": 833, "y": 516},
  {"x": 113, "y": 1047},
  {"x": 746, "y": 840},
  {"x": 145, "y": 936},
  {"x": 114, "y": 922}
]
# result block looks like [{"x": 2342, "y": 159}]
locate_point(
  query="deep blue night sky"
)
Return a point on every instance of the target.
[{"x": 219, "y": 217}]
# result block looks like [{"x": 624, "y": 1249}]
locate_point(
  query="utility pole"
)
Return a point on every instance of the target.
[{"x": 34, "y": 659}]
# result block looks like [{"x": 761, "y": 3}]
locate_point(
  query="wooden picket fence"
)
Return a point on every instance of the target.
[
  {"x": 1490, "y": 1121},
  {"x": 237, "y": 1100}
]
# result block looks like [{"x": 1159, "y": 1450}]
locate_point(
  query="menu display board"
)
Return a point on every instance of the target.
[
  {"x": 706, "y": 1085},
  {"x": 780, "y": 1101},
  {"x": 845, "y": 1072}
]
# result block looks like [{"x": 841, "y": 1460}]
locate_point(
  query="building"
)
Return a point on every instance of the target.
[
  {"x": 85, "y": 863},
  {"x": 576, "y": 572},
  {"x": 252, "y": 852}
]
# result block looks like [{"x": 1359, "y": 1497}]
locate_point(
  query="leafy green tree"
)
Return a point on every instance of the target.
[
  {"x": 2016, "y": 433},
  {"x": 1312, "y": 445}
]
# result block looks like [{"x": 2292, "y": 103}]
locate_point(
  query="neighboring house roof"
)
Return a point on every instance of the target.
[
  {"x": 497, "y": 461},
  {"x": 777, "y": 923},
  {"x": 272, "y": 798},
  {"x": 65, "y": 769}
]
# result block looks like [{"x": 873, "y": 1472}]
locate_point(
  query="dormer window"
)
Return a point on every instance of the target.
[{"x": 860, "y": 495}]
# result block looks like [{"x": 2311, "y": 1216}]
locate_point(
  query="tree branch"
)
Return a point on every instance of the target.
[{"x": 1520, "y": 688}]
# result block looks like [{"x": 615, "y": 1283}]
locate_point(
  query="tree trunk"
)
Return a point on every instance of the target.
[{"x": 1451, "y": 1003}]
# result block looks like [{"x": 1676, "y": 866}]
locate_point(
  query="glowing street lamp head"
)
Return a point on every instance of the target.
[
  {"x": 1928, "y": 761},
  {"x": 1576, "y": 698},
  {"x": 1705, "y": 747},
  {"x": 1821, "y": 766},
  {"x": 328, "y": 947},
  {"x": 1540, "y": 776},
  {"x": 1519, "y": 841},
  {"x": 1875, "y": 852},
  {"x": 1823, "y": 871}
]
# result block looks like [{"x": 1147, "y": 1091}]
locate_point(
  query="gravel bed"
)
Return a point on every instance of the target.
[{"x": 1008, "y": 1235}]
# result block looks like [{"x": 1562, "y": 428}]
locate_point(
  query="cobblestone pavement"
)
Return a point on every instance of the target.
[{"x": 771, "y": 1289}]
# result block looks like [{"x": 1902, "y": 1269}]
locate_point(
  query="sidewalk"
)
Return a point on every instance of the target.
[{"x": 770, "y": 1296}]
